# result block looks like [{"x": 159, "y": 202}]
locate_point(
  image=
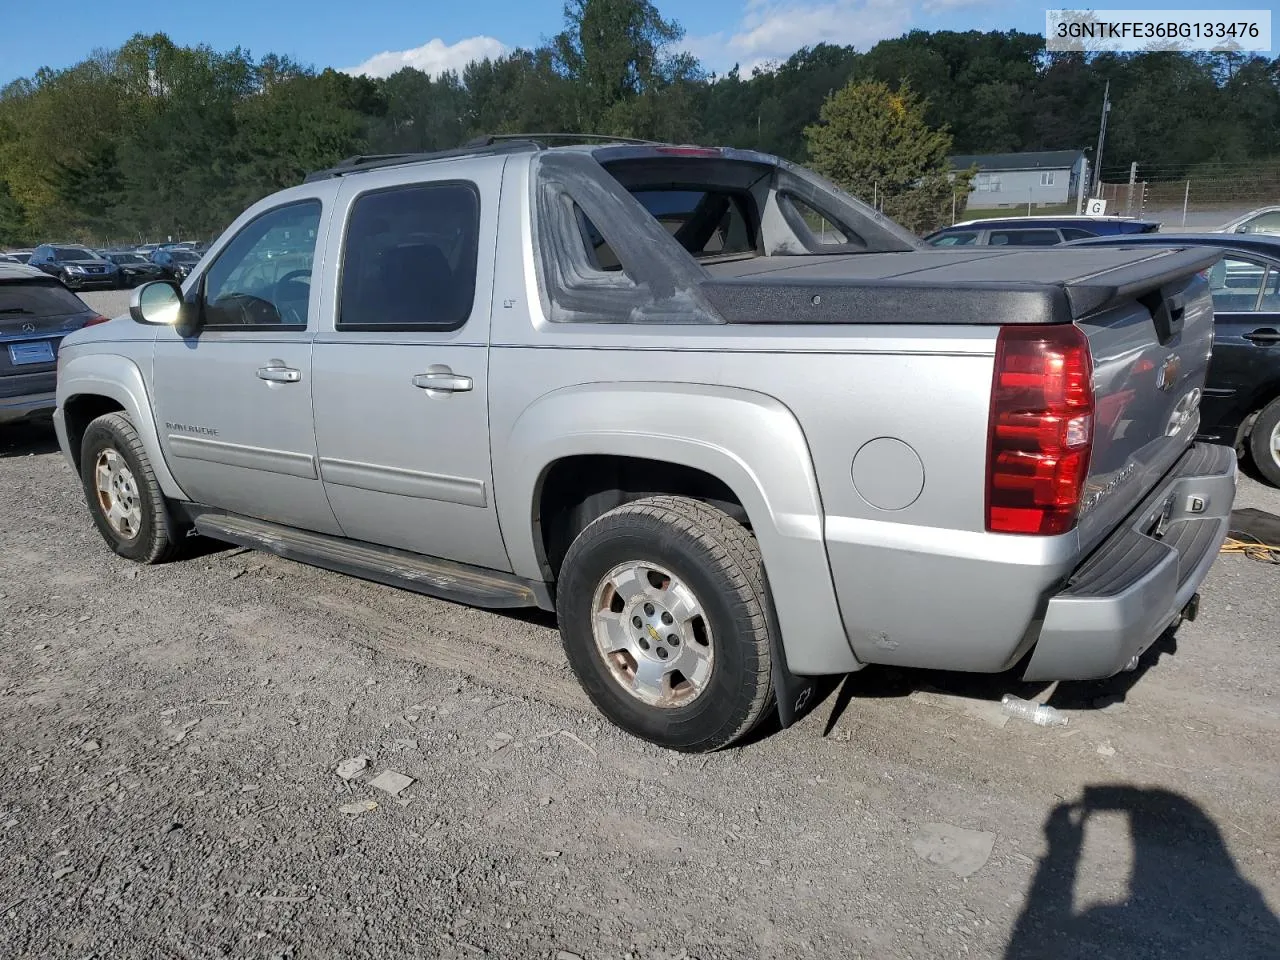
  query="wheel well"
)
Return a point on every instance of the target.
[
  {"x": 576, "y": 490},
  {"x": 80, "y": 411}
]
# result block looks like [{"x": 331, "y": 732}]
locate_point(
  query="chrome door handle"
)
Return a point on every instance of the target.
[
  {"x": 276, "y": 372},
  {"x": 444, "y": 381},
  {"x": 1265, "y": 335}
]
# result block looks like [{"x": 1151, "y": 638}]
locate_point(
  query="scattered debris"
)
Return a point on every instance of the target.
[
  {"x": 961, "y": 851},
  {"x": 392, "y": 782},
  {"x": 579, "y": 741},
  {"x": 499, "y": 741},
  {"x": 182, "y": 735},
  {"x": 352, "y": 768},
  {"x": 987, "y": 711},
  {"x": 358, "y": 807},
  {"x": 1106, "y": 749}
]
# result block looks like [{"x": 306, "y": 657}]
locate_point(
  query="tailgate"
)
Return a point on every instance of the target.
[{"x": 1150, "y": 334}]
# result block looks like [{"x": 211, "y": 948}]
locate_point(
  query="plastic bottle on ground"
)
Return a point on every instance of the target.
[{"x": 1040, "y": 714}]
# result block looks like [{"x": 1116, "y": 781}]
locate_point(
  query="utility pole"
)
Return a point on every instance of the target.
[
  {"x": 1102, "y": 140},
  {"x": 1133, "y": 177},
  {"x": 1082, "y": 185}
]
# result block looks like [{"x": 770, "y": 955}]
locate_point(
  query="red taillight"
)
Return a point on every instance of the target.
[
  {"x": 1041, "y": 429},
  {"x": 96, "y": 320}
]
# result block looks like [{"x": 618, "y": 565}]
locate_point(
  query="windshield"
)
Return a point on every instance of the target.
[
  {"x": 184, "y": 256},
  {"x": 125, "y": 258},
  {"x": 34, "y": 300},
  {"x": 74, "y": 253}
]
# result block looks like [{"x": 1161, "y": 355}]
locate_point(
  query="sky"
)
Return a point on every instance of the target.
[{"x": 380, "y": 38}]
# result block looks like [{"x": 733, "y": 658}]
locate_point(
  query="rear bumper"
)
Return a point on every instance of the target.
[
  {"x": 1135, "y": 585},
  {"x": 15, "y": 408}
]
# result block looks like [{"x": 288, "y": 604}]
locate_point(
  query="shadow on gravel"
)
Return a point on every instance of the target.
[
  {"x": 875, "y": 682},
  {"x": 26, "y": 437},
  {"x": 1185, "y": 896}
]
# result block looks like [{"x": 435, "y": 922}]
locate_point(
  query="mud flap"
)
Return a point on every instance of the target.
[{"x": 795, "y": 696}]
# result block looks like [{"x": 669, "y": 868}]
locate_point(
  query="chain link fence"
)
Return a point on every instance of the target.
[{"x": 1194, "y": 202}]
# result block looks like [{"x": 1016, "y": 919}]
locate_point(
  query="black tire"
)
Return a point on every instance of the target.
[
  {"x": 719, "y": 561},
  {"x": 1265, "y": 456},
  {"x": 155, "y": 536}
]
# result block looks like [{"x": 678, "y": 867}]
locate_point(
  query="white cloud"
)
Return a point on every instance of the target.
[
  {"x": 772, "y": 30},
  {"x": 433, "y": 57}
]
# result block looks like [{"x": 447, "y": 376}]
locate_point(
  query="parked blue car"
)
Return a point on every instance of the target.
[{"x": 1035, "y": 231}]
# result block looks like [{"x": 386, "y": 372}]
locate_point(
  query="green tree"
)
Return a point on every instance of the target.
[
  {"x": 617, "y": 55},
  {"x": 874, "y": 142}
]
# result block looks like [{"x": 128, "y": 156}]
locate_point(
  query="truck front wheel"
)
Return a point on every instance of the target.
[
  {"x": 124, "y": 496},
  {"x": 661, "y": 604}
]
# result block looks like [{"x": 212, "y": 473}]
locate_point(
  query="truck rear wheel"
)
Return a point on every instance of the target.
[
  {"x": 124, "y": 497},
  {"x": 1264, "y": 442},
  {"x": 661, "y": 604}
]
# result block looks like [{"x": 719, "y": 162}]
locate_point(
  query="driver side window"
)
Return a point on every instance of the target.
[{"x": 262, "y": 278}]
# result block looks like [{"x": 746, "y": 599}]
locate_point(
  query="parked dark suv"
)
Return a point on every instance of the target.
[
  {"x": 1034, "y": 231},
  {"x": 177, "y": 263},
  {"x": 134, "y": 267},
  {"x": 78, "y": 267},
  {"x": 36, "y": 312}
]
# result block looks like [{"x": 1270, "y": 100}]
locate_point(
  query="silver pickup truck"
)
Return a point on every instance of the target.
[{"x": 733, "y": 426}]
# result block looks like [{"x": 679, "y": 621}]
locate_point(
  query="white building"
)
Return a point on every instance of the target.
[{"x": 1014, "y": 179}]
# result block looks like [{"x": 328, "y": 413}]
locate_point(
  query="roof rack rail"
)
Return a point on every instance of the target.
[
  {"x": 492, "y": 138},
  {"x": 378, "y": 161}
]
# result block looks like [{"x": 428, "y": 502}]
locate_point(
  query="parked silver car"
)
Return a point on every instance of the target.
[
  {"x": 1262, "y": 220},
  {"x": 629, "y": 383}
]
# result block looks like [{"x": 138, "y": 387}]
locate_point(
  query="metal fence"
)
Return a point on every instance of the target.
[{"x": 1192, "y": 202}]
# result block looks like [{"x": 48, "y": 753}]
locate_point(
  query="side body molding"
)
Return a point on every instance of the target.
[
  {"x": 118, "y": 378},
  {"x": 748, "y": 440}
]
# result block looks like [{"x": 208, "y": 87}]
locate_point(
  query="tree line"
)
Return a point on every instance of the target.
[{"x": 156, "y": 139}]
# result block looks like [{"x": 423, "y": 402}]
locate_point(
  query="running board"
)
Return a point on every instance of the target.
[{"x": 445, "y": 579}]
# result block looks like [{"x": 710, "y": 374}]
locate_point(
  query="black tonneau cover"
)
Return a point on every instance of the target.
[{"x": 945, "y": 287}]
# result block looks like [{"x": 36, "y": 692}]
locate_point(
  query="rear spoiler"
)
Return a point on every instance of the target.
[{"x": 901, "y": 300}]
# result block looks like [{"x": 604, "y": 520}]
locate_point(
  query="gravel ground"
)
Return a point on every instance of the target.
[{"x": 168, "y": 786}]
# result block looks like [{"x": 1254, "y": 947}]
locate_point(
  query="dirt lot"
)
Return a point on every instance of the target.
[{"x": 167, "y": 785}]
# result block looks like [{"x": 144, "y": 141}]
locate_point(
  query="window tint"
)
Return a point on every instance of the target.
[
  {"x": 1234, "y": 285},
  {"x": 262, "y": 278},
  {"x": 31, "y": 300},
  {"x": 1075, "y": 233},
  {"x": 708, "y": 223},
  {"x": 1023, "y": 238},
  {"x": 410, "y": 258},
  {"x": 961, "y": 239},
  {"x": 74, "y": 253}
]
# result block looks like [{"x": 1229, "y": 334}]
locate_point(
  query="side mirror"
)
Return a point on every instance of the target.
[
  {"x": 1243, "y": 228},
  {"x": 160, "y": 303}
]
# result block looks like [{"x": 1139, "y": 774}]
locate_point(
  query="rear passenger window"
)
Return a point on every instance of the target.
[
  {"x": 1075, "y": 233},
  {"x": 409, "y": 261},
  {"x": 965, "y": 239},
  {"x": 1023, "y": 238}
]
